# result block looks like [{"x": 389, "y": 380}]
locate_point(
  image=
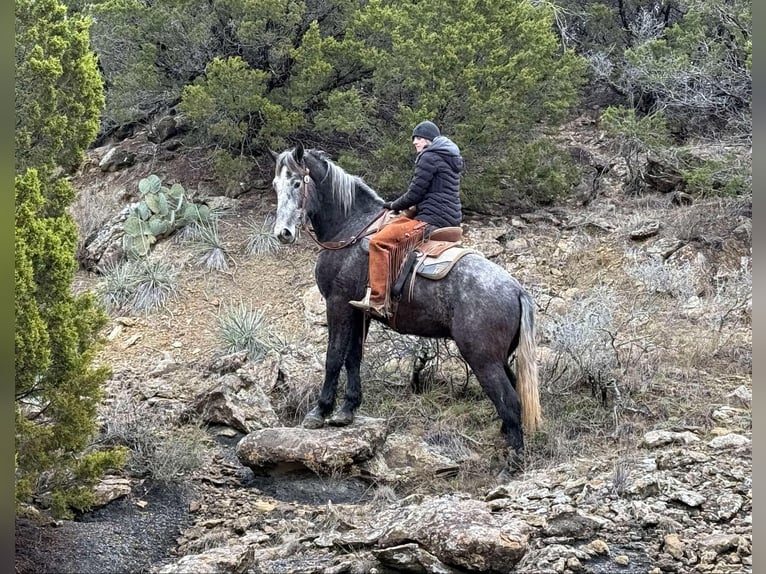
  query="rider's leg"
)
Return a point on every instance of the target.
[{"x": 392, "y": 236}]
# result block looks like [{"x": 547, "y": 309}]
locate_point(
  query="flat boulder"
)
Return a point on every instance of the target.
[{"x": 324, "y": 451}]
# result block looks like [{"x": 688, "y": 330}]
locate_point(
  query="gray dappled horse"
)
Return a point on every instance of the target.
[{"x": 478, "y": 304}]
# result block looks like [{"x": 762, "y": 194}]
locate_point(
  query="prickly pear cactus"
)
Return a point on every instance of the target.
[
  {"x": 160, "y": 212},
  {"x": 138, "y": 238}
]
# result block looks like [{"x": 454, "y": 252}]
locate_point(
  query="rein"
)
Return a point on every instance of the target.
[{"x": 331, "y": 244}]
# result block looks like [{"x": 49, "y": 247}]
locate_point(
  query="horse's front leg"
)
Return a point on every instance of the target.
[
  {"x": 339, "y": 329},
  {"x": 345, "y": 415}
]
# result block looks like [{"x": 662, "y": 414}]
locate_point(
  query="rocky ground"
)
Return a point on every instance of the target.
[{"x": 658, "y": 479}]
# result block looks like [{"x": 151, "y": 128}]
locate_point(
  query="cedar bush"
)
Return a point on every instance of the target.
[
  {"x": 57, "y": 390},
  {"x": 352, "y": 78}
]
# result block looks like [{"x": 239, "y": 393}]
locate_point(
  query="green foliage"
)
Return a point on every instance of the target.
[
  {"x": 354, "y": 77},
  {"x": 58, "y": 90},
  {"x": 713, "y": 177},
  {"x": 691, "y": 59},
  {"x": 538, "y": 173},
  {"x": 231, "y": 171},
  {"x": 79, "y": 494},
  {"x": 700, "y": 68},
  {"x": 345, "y": 112},
  {"x": 58, "y": 100},
  {"x": 489, "y": 74},
  {"x": 230, "y": 104},
  {"x": 149, "y": 51},
  {"x": 57, "y": 391},
  {"x": 633, "y": 138}
]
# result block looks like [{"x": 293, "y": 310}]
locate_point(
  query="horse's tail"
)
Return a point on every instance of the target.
[{"x": 526, "y": 366}]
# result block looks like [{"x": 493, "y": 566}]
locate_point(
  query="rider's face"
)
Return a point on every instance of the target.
[{"x": 420, "y": 143}]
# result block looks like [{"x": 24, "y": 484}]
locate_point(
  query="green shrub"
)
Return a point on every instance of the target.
[
  {"x": 536, "y": 173},
  {"x": 231, "y": 171},
  {"x": 59, "y": 98},
  {"x": 633, "y": 137},
  {"x": 714, "y": 178}
]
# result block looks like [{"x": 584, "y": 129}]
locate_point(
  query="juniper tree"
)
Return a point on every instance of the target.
[
  {"x": 58, "y": 100},
  {"x": 351, "y": 77}
]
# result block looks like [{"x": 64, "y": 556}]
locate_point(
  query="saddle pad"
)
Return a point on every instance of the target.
[{"x": 437, "y": 264}]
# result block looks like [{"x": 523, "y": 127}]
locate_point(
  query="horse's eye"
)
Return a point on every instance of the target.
[{"x": 297, "y": 184}]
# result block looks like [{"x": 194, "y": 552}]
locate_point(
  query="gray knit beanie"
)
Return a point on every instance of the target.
[{"x": 427, "y": 130}]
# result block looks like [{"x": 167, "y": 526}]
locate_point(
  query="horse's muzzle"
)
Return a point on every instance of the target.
[{"x": 285, "y": 236}]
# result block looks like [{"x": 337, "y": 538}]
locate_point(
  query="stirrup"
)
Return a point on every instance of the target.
[{"x": 364, "y": 305}]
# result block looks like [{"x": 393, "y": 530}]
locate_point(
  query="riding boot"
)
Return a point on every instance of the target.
[{"x": 368, "y": 307}]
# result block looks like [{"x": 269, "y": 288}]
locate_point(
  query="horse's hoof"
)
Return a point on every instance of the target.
[
  {"x": 515, "y": 462},
  {"x": 313, "y": 420},
  {"x": 341, "y": 419}
]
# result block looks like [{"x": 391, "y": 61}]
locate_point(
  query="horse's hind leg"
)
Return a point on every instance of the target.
[
  {"x": 493, "y": 374},
  {"x": 353, "y": 398},
  {"x": 498, "y": 388}
]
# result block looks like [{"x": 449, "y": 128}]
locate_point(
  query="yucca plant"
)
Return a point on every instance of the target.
[
  {"x": 195, "y": 217},
  {"x": 120, "y": 281},
  {"x": 241, "y": 327},
  {"x": 156, "y": 284},
  {"x": 261, "y": 240},
  {"x": 212, "y": 251}
]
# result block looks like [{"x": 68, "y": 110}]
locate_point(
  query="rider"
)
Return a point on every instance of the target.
[{"x": 434, "y": 191}]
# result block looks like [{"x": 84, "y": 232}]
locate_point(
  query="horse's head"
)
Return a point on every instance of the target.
[
  {"x": 291, "y": 183},
  {"x": 310, "y": 185}
]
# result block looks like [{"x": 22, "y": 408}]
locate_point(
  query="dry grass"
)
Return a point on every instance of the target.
[
  {"x": 664, "y": 340},
  {"x": 92, "y": 208},
  {"x": 293, "y": 397},
  {"x": 159, "y": 447}
]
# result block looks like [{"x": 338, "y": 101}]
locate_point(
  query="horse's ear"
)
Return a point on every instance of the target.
[
  {"x": 274, "y": 155},
  {"x": 298, "y": 153}
]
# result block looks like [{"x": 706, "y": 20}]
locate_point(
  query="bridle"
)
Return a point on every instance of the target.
[{"x": 366, "y": 230}]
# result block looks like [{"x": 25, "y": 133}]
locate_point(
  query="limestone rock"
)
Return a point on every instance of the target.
[
  {"x": 321, "y": 450},
  {"x": 728, "y": 441},
  {"x": 461, "y": 532},
  {"x": 222, "y": 560},
  {"x": 111, "y": 488},
  {"x": 230, "y": 402}
]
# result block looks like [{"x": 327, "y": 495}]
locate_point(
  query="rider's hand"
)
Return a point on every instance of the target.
[{"x": 387, "y": 205}]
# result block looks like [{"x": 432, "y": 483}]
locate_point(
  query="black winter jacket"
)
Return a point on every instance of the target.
[{"x": 435, "y": 186}]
